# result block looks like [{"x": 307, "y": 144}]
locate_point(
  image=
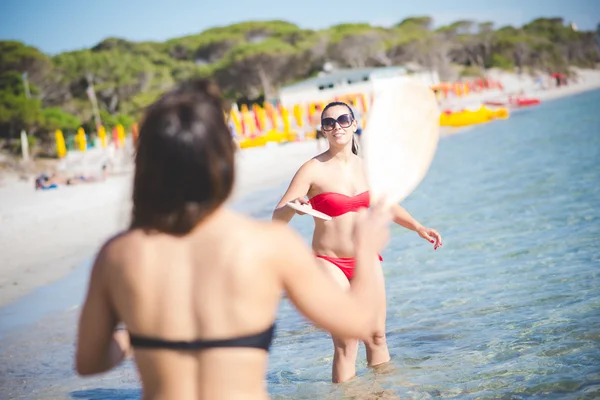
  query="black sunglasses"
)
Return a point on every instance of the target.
[{"x": 344, "y": 120}]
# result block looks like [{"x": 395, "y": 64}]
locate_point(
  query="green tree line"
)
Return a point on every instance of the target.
[{"x": 41, "y": 93}]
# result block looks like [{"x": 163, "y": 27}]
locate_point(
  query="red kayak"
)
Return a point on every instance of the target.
[
  {"x": 527, "y": 102},
  {"x": 523, "y": 101}
]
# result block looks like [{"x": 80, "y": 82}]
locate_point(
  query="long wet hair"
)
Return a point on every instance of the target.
[
  {"x": 184, "y": 165},
  {"x": 341, "y": 103}
]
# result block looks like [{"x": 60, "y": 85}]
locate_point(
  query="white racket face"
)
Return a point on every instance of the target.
[
  {"x": 400, "y": 139},
  {"x": 309, "y": 211}
]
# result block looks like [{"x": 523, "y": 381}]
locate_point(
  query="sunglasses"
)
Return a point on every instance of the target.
[{"x": 344, "y": 120}]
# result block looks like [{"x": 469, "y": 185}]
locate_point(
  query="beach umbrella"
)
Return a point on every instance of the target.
[
  {"x": 121, "y": 135},
  {"x": 61, "y": 147},
  {"x": 298, "y": 115},
  {"x": 81, "y": 139},
  {"x": 102, "y": 136},
  {"x": 286, "y": 120}
]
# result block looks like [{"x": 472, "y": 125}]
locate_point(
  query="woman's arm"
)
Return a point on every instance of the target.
[
  {"x": 403, "y": 218},
  {"x": 99, "y": 347},
  {"x": 297, "y": 192}
]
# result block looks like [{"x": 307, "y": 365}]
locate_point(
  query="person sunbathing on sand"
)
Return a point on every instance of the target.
[{"x": 46, "y": 181}]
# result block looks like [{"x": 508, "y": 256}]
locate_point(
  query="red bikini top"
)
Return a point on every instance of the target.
[{"x": 336, "y": 204}]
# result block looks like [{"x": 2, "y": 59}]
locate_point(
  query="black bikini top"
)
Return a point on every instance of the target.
[{"x": 260, "y": 340}]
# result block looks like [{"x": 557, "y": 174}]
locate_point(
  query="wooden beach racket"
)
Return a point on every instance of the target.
[
  {"x": 400, "y": 139},
  {"x": 308, "y": 210}
]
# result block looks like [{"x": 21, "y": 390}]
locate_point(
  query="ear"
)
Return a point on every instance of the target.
[{"x": 354, "y": 126}]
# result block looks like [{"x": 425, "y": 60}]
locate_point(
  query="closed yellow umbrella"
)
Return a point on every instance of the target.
[
  {"x": 81, "y": 140},
  {"x": 262, "y": 117},
  {"x": 121, "y": 135},
  {"x": 286, "y": 120},
  {"x": 235, "y": 118},
  {"x": 298, "y": 115},
  {"x": 102, "y": 136},
  {"x": 363, "y": 103},
  {"x": 61, "y": 147}
]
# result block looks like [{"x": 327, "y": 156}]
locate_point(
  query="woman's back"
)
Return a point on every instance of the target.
[{"x": 214, "y": 283}]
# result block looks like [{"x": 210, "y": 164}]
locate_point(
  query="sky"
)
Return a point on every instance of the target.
[{"x": 55, "y": 26}]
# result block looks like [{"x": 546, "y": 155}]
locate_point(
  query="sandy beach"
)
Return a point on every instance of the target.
[{"x": 46, "y": 234}]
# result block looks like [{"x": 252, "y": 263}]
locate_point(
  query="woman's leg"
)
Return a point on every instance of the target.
[
  {"x": 376, "y": 346},
  {"x": 345, "y": 350}
]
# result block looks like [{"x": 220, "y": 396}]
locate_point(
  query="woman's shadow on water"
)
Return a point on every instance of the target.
[{"x": 106, "y": 394}]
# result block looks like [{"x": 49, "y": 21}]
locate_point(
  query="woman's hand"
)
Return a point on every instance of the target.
[
  {"x": 301, "y": 201},
  {"x": 431, "y": 235}
]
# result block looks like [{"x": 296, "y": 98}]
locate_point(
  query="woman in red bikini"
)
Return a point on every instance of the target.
[{"x": 336, "y": 185}]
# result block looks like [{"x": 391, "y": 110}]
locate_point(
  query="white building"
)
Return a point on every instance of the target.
[{"x": 349, "y": 81}]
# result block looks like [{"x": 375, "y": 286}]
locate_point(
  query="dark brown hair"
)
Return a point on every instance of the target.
[
  {"x": 184, "y": 165},
  {"x": 341, "y": 103}
]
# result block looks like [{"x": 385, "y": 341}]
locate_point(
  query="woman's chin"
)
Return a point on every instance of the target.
[{"x": 340, "y": 141}]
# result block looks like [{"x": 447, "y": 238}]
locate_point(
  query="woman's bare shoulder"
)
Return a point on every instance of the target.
[
  {"x": 284, "y": 240},
  {"x": 312, "y": 164},
  {"x": 319, "y": 159},
  {"x": 268, "y": 237},
  {"x": 119, "y": 248}
]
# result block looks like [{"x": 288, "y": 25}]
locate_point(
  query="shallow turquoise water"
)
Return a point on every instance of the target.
[{"x": 509, "y": 308}]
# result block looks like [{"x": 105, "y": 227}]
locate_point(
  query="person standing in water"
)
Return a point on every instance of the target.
[
  {"x": 336, "y": 185},
  {"x": 197, "y": 285}
]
